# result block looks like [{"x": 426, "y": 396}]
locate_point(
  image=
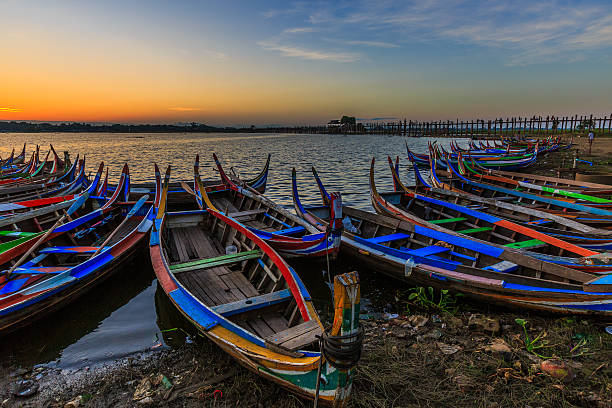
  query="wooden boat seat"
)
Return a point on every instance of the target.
[
  {"x": 252, "y": 303},
  {"x": 69, "y": 250},
  {"x": 387, "y": 238},
  {"x": 297, "y": 336},
  {"x": 531, "y": 244},
  {"x": 457, "y": 254},
  {"x": 216, "y": 261},
  {"x": 474, "y": 230},
  {"x": 503, "y": 266},
  {"x": 447, "y": 220},
  {"x": 248, "y": 213},
  {"x": 427, "y": 251}
]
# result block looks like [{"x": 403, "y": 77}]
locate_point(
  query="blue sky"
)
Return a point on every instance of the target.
[{"x": 303, "y": 62}]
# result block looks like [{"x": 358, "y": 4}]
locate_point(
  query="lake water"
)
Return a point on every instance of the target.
[{"x": 128, "y": 314}]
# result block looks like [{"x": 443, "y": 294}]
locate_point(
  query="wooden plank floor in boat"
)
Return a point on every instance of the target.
[{"x": 220, "y": 285}]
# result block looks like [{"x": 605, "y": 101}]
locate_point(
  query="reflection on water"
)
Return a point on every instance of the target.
[{"x": 125, "y": 314}]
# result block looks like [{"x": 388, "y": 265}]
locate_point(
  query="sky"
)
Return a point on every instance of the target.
[{"x": 283, "y": 62}]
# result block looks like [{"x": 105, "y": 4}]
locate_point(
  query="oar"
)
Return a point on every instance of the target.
[
  {"x": 75, "y": 206},
  {"x": 133, "y": 211},
  {"x": 187, "y": 188}
]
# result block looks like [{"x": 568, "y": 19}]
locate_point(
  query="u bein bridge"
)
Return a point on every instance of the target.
[{"x": 518, "y": 126}]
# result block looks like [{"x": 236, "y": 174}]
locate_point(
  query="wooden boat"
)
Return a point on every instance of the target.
[
  {"x": 582, "y": 187},
  {"x": 71, "y": 181},
  {"x": 563, "y": 228},
  {"x": 180, "y": 193},
  {"x": 453, "y": 180},
  {"x": 38, "y": 172},
  {"x": 465, "y": 217},
  {"x": 78, "y": 255},
  {"x": 490, "y": 274},
  {"x": 250, "y": 303},
  {"x": 497, "y": 161},
  {"x": 288, "y": 234},
  {"x": 558, "y": 193}
]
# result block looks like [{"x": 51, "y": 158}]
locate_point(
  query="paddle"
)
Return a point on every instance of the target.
[
  {"x": 75, "y": 206},
  {"x": 187, "y": 188},
  {"x": 133, "y": 211}
]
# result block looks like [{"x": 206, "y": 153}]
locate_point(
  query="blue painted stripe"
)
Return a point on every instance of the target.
[
  {"x": 558, "y": 203},
  {"x": 468, "y": 211},
  {"x": 460, "y": 241},
  {"x": 516, "y": 286},
  {"x": 198, "y": 313},
  {"x": 599, "y": 307}
]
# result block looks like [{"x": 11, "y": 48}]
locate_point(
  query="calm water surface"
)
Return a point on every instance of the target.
[{"x": 117, "y": 320}]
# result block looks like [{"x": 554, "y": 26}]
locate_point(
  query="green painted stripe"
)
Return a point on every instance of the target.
[
  {"x": 445, "y": 220},
  {"x": 5, "y": 246},
  {"x": 525, "y": 244},
  {"x": 472, "y": 230},
  {"x": 17, "y": 234},
  {"x": 217, "y": 261}
]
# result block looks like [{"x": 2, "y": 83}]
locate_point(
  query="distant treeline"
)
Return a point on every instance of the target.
[{"x": 28, "y": 127}]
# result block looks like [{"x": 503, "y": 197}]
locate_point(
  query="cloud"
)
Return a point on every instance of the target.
[
  {"x": 220, "y": 56},
  {"x": 10, "y": 110},
  {"x": 296, "y": 52},
  {"x": 525, "y": 32},
  {"x": 379, "y": 44},
  {"x": 183, "y": 109},
  {"x": 298, "y": 30}
]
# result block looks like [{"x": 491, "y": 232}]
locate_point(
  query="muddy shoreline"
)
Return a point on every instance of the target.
[{"x": 466, "y": 355}]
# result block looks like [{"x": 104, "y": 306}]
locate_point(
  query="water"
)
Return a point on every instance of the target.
[{"x": 129, "y": 313}]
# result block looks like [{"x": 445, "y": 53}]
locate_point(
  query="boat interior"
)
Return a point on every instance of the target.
[{"x": 226, "y": 271}]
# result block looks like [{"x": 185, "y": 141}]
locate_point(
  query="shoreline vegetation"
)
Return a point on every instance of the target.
[{"x": 475, "y": 128}]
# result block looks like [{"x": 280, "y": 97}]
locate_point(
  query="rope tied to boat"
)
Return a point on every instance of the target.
[{"x": 342, "y": 352}]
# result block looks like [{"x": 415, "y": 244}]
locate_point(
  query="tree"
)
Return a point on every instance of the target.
[{"x": 348, "y": 120}]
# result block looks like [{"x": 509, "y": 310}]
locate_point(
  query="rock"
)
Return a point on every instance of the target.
[
  {"x": 498, "y": 345},
  {"x": 435, "y": 334},
  {"x": 25, "y": 388},
  {"x": 479, "y": 322},
  {"x": 454, "y": 323},
  {"x": 417, "y": 321},
  {"x": 73, "y": 403},
  {"x": 557, "y": 369},
  {"x": 143, "y": 389},
  {"x": 146, "y": 401},
  {"x": 447, "y": 348}
]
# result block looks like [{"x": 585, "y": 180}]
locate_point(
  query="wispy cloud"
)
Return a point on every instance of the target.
[
  {"x": 309, "y": 54},
  {"x": 379, "y": 44},
  {"x": 184, "y": 109},
  {"x": 5, "y": 109},
  {"x": 299, "y": 30},
  {"x": 219, "y": 56},
  {"x": 525, "y": 32}
]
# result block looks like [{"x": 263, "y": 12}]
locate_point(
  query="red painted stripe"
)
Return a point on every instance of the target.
[{"x": 545, "y": 238}]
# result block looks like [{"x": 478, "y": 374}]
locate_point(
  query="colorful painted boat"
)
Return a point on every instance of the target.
[
  {"x": 467, "y": 217},
  {"x": 250, "y": 302},
  {"x": 72, "y": 180},
  {"x": 426, "y": 257},
  {"x": 288, "y": 234},
  {"x": 558, "y": 193},
  {"x": 77, "y": 256},
  {"x": 582, "y": 187},
  {"x": 455, "y": 181}
]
